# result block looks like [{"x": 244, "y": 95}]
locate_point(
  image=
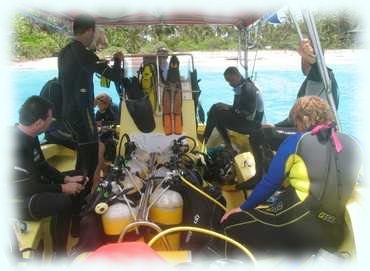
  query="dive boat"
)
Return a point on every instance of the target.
[{"x": 152, "y": 160}]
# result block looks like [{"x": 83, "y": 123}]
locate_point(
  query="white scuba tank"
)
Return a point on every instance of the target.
[{"x": 116, "y": 218}]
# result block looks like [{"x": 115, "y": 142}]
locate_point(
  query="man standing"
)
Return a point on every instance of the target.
[
  {"x": 40, "y": 189},
  {"x": 77, "y": 65}
]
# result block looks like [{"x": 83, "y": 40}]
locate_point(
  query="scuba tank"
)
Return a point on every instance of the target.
[
  {"x": 116, "y": 218},
  {"x": 167, "y": 211}
]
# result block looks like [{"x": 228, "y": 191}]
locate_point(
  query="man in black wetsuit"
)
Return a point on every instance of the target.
[
  {"x": 244, "y": 116},
  {"x": 108, "y": 112},
  {"x": 40, "y": 189},
  {"x": 77, "y": 65},
  {"x": 312, "y": 86}
]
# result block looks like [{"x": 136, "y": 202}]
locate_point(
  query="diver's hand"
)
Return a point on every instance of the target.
[
  {"x": 267, "y": 125},
  {"x": 74, "y": 179},
  {"x": 99, "y": 123},
  {"x": 72, "y": 188},
  {"x": 305, "y": 50},
  {"x": 118, "y": 55},
  {"x": 230, "y": 212}
]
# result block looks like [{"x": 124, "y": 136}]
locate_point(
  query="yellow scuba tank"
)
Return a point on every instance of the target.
[
  {"x": 167, "y": 211},
  {"x": 148, "y": 83},
  {"x": 116, "y": 218}
]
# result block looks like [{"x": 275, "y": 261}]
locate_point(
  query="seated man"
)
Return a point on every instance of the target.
[
  {"x": 312, "y": 86},
  {"x": 318, "y": 169},
  {"x": 108, "y": 114},
  {"x": 42, "y": 190},
  {"x": 244, "y": 116}
]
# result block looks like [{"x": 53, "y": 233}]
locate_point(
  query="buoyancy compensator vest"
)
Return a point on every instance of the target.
[
  {"x": 332, "y": 173},
  {"x": 59, "y": 131},
  {"x": 199, "y": 211}
]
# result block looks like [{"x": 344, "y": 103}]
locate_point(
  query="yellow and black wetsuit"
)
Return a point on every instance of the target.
[{"x": 308, "y": 214}]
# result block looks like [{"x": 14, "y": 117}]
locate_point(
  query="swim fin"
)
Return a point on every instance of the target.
[
  {"x": 167, "y": 112},
  {"x": 148, "y": 83},
  {"x": 174, "y": 88},
  {"x": 177, "y": 111}
]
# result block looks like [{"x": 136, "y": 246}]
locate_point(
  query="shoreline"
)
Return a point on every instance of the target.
[{"x": 215, "y": 59}]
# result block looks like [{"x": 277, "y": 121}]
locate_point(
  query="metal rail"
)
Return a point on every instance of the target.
[{"x": 314, "y": 37}]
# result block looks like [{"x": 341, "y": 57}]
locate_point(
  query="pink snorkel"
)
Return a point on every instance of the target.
[{"x": 334, "y": 137}]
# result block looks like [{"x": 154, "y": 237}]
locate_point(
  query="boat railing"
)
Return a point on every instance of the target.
[{"x": 314, "y": 38}]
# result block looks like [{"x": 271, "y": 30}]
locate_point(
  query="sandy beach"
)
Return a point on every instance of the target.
[{"x": 272, "y": 59}]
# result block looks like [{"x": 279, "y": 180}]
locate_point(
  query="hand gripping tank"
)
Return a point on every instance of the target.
[{"x": 167, "y": 211}]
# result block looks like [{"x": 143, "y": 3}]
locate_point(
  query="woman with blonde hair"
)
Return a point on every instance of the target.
[{"x": 306, "y": 188}]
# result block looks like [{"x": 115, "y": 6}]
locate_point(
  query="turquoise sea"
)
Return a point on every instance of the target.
[{"x": 279, "y": 88}]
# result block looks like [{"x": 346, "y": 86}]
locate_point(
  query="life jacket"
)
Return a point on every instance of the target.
[
  {"x": 148, "y": 82},
  {"x": 332, "y": 175}
]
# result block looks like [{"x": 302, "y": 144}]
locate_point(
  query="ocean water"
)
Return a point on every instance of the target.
[{"x": 279, "y": 89}]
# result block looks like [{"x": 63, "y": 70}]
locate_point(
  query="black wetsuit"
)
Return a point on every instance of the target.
[
  {"x": 77, "y": 65},
  {"x": 311, "y": 86},
  {"x": 244, "y": 116},
  {"x": 38, "y": 187},
  {"x": 110, "y": 116},
  {"x": 309, "y": 213},
  {"x": 58, "y": 132}
]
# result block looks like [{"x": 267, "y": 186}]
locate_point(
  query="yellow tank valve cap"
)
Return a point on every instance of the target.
[{"x": 101, "y": 208}]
